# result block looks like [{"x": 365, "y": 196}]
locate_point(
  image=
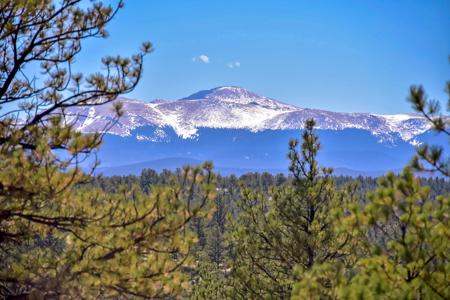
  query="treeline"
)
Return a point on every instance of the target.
[{"x": 230, "y": 185}]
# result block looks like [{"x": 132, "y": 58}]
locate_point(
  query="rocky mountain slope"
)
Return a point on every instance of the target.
[{"x": 236, "y": 108}]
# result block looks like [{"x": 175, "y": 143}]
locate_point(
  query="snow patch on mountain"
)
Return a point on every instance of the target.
[{"x": 406, "y": 125}]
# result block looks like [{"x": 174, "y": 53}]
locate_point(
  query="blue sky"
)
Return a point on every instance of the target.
[{"x": 352, "y": 56}]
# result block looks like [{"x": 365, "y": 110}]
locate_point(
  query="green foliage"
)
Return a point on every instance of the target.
[
  {"x": 126, "y": 243},
  {"x": 399, "y": 249},
  {"x": 211, "y": 276},
  {"x": 431, "y": 158},
  {"x": 61, "y": 238},
  {"x": 209, "y": 283},
  {"x": 288, "y": 226}
]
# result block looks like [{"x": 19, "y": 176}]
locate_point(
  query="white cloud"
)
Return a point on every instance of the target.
[
  {"x": 203, "y": 58},
  {"x": 233, "y": 65}
]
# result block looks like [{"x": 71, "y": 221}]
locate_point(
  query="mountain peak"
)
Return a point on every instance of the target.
[
  {"x": 223, "y": 92},
  {"x": 237, "y": 108}
]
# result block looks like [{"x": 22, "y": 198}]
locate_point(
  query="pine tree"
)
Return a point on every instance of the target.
[
  {"x": 430, "y": 158},
  {"x": 288, "y": 227},
  {"x": 399, "y": 250},
  {"x": 61, "y": 238}
]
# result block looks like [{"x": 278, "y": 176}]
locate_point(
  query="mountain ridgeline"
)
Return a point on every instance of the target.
[{"x": 242, "y": 131}]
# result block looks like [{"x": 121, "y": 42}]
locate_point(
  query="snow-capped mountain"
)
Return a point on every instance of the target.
[
  {"x": 232, "y": 107},
  {"x": 241, "y": 131}
]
